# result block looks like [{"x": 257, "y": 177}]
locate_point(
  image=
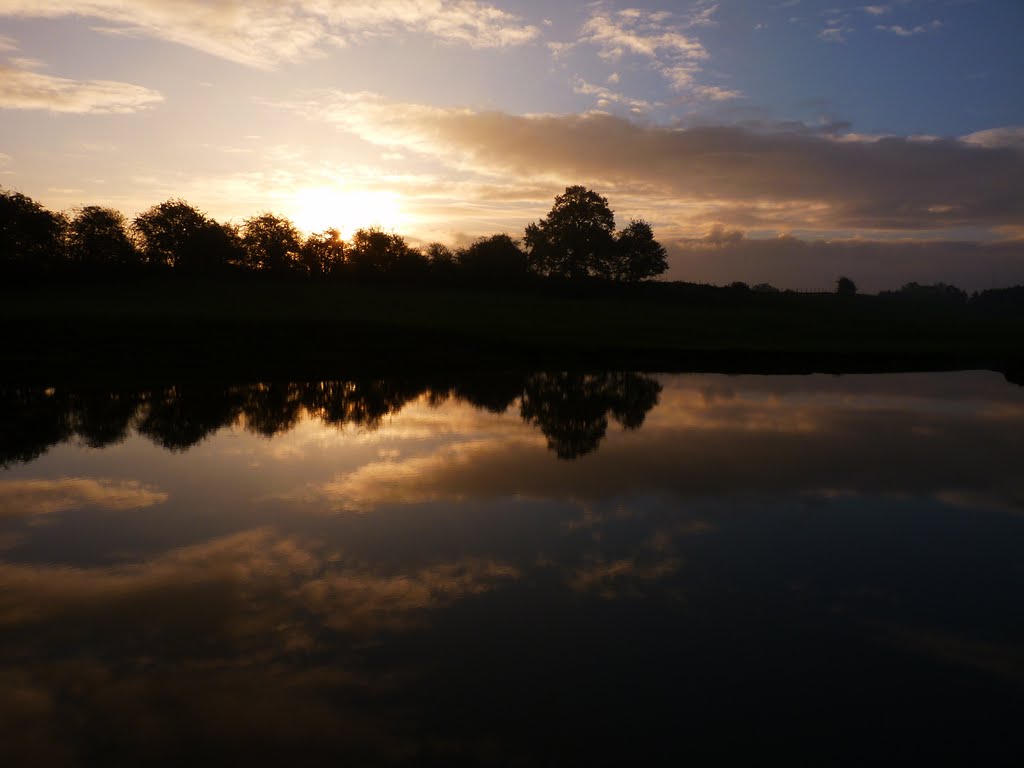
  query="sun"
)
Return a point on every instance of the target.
[{"x": 315, "y": 209}]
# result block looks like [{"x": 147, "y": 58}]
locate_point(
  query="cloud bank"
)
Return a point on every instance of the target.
[
  {"x": 813, "y": 264},
  {"x": 834, "y": 181},
  {"x": 262, "y": 33}
]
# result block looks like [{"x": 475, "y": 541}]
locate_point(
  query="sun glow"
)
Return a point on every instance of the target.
[{"x": 318, "y": 208}]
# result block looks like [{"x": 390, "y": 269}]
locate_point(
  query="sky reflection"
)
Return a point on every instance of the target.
[{"x": 443, "y": 587}]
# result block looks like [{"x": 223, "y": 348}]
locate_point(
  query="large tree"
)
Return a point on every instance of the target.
[
  {"x": 271, "y": 243},
  {"x": 376, "y": 253},
  {"x": 30, "y": 235},
  {"x": 170, "y": 234},
  {"x": 323, "y": 253},
  {"x": 576, "y": 239},
  {"x": 493, "y": 258},
  {"x": 638, "y": 255},
  {"x": 97, "y": 238}
]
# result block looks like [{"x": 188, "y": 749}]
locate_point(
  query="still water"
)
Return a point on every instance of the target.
[{"x": 545, "y": 569}]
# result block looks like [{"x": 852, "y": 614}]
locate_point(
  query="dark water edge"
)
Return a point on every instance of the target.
[{"x": 92, "y": 358}]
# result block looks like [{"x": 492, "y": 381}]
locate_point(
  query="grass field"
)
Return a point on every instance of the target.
[{"x": 301, "y": 328}]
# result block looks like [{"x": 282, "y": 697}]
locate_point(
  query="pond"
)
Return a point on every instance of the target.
[{"x": 514, "y": 569}]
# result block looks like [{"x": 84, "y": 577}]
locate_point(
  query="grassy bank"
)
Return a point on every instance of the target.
[{"x": 296, "y": 329}]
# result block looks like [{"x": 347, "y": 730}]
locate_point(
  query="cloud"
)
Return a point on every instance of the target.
[
  {"x": 606, "y": 97},
  {"x": 1010, "y": 136},
  {"x": 833, "y": 181},
  {"x": 262, "y": 33},
  {"x": 660, "y": 37},
  {"x": 254, "y": 584},
  {"x": 715, "y": 93},
  {"x": 611, "y": 580},
  {"x": 920, "y": 29},
  {"x": 24, "y": 89},
  {"x": 876, "y": 10},
  {"x": 414, "y": 480},
  {"x": 834, "y": 34},
  {"x": 640, "y": 32},
  {"x": 43, "y": 497}
]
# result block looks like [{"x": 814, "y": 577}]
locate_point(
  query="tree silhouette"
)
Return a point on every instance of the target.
[
  {"x": 102, "y": 418},
  {"x": 179, "y": 417},
  {"x": 34, "y": 419},
  {"x": 271, "y": 244},
  {"x": 638, "y": 255},
  {"x": 376, "y": 253},
  {"x": 178, "y": 235},
  {"x": 323, "y": 253},
  {"x": 30, "y": 235},
  {"x": 217, "y": 247},
  {"x": 98, "y": 238},
  {"x": 441, "y": 258},
  {"x": 845, "y": 286},
  {"x": 168, "y": 233},
  {"x": 576, "y": 239},
  {"x": 490, "y": 392},
  {"x": 272, "y": 408},
  {"x": 571, "y": 409},
  {"x": 493, "y": 258}
]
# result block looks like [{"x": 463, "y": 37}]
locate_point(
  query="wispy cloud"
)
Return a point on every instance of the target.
[
  {"x": 262, "y": 33},
  {"x": 606, "y": 97},
  {"x": 834, "y": 34},
  {"x": 920, "y": 29},
  {"x": 837, "y": 26},
  {"x": 25, "y": 89},
  {"x": 667, "y": 40},
  {"x": 42, "y": 497}
]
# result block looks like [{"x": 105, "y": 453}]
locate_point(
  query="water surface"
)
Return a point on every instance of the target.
[{"x": 543, "y": 569}]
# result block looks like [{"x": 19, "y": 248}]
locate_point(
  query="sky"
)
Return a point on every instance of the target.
[{"x": 784, "y": 141}]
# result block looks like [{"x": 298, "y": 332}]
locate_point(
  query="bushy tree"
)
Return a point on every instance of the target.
[
  {"x": 638, "y": 255},
  {"x": 30, "y": 236},
  {"x": 845, "y": 286},
  {"x": 576, "y": 239},
  {"x": 271, "y": 244},
  {"x": 323, "y": 253},
  {"x": 440, "y": 257},
  {"x": 219, "y": 246},
  {"x": 98, "y": 238},
  {"x": 376, "y": 253},
  {"x": 170, "y": 235},
  {"x": 493, "y": 258}
]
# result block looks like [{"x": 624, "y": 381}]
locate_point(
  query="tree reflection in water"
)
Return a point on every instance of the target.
[{"x": 570, "y": 409}]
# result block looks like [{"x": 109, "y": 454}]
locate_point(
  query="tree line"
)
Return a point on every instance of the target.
[{"x": 577, "y": 240}]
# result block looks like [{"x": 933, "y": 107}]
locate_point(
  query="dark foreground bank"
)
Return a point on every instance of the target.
[{"x": 259, "y": 329}]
